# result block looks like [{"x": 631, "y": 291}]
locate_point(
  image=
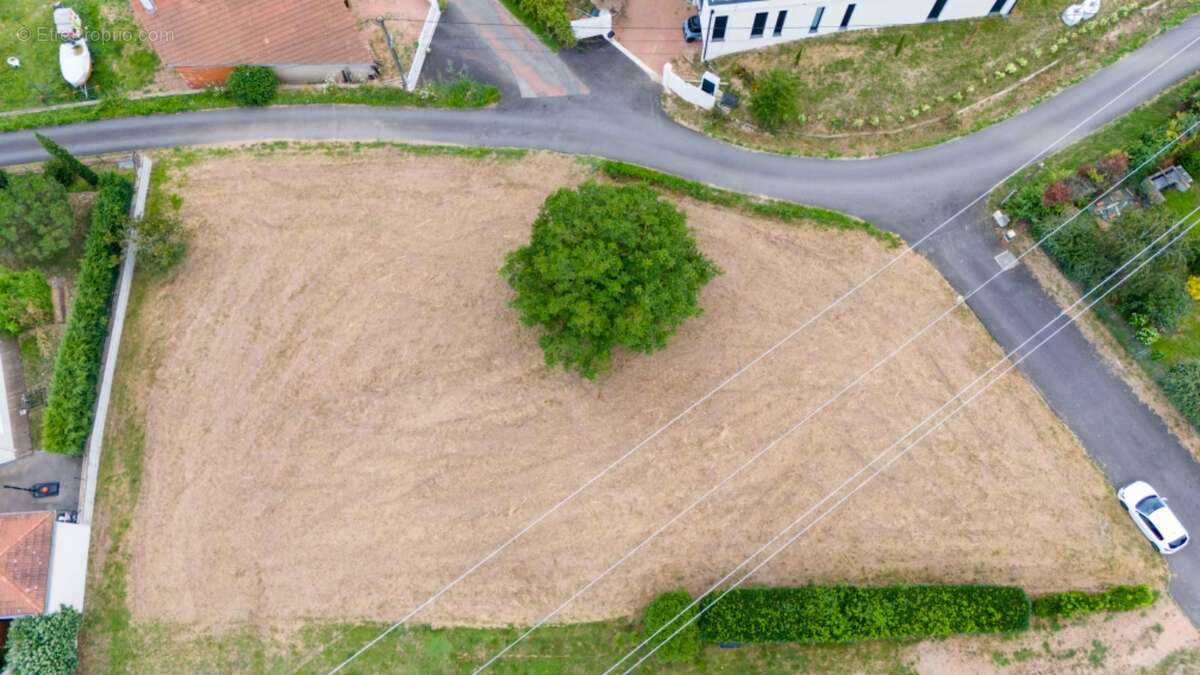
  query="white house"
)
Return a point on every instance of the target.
[{"x": 729, "y": 26}]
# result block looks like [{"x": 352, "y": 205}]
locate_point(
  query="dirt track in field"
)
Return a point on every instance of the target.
[{"x": 341, "y": 414}]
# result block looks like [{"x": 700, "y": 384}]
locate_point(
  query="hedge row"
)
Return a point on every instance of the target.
[
  {"x": 835, "y": 614},
  {"x": 547, "y": 18},
  {"x": 1074, "y": 603},
  {"x": 69, "y": 411},
  {"x": 787, "y": 212},
  {"x": 663, "y": 609}
]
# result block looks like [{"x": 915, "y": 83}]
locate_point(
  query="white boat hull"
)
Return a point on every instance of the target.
[{"x": 75, "y": 62}]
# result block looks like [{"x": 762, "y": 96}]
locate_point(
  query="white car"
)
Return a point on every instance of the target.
[{"x": 1152, "y": 516}]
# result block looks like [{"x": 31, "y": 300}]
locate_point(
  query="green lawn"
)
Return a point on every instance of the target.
[
  {"x": 872, "y": 92},
  {"x": 121, "y": 62}
]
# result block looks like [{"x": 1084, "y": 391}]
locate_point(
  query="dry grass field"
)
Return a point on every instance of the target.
[{"x": 341, "y": 413}]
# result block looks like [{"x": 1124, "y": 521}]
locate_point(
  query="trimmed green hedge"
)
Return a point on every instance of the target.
[
  {"x": 686, "y": 644},
  {"x": 835, "y": 614},
  {"x": 548, "y": 19},
  {"x": 1074, "y": 603},
  {"x": 44, "y": 644},
  {"x": 69, "y": 411},
  {"x": 787, "y": 212}
]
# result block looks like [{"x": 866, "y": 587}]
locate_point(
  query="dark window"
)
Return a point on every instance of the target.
[
  {"x": 846, "y": 17},
  {"x": 816, "y": 23},
  {"x": 1178, "y": 542},
  {"x": 938, "y": 6},
  {"x": 719, "y": 25},
  {"x": 998, "y": 6},
  {"x": 760, "y": 24},
  {"x": 779, "y": 21},
  {"x": 1157, "y": 534}
]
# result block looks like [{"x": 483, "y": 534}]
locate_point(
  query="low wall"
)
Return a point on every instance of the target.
[
  {"x": 686, "y": 90},
  {"x": 423, "y": 43},
  {"x": 593, "y": 26}
]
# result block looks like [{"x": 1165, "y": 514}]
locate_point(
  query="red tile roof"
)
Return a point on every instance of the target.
[
  {"x": 260, "y": 32},
  {"x": 24, "y": 562}
]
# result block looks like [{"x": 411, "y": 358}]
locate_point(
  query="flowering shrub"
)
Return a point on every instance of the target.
[{"x": 1056, "y": 195}]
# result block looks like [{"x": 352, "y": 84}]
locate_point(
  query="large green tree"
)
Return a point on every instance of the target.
[
  {"x": 36, "y": 222},
  {"x": 606, "y": 267}
]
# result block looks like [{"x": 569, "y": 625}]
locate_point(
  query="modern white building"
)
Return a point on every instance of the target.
[{"x": 730, "y": 26}]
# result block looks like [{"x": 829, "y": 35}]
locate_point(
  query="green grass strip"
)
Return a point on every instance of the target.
[
  {"x": 462, "y": 93},
  {"x": 787, "y": 212}
]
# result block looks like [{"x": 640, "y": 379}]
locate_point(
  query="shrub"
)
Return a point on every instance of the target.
[
  {"x": 68, "y": 417},
  {"x": 24, "y": 300},
  {"x": 1074, "y": 603},
  {"x": 1193, "y": 287},
  {"x": 3, "y": 179},
  {"x": 1113, "y": 166},
  {"x": 57, "y": 152},
  {"x": 1026, "y": 205},
  {"x": 773, "y": 101},
  {"x": 59, "y": 171},
  {"x": 549, "y": 18},
  {"x": 44, "y": 644},
  {"x": 252, "y": 85},
  {"x": 833, "y": 614},
  {"x": 1056, "y": 195},
  {"x": 36, "y": 221},
  {"x": 1182, "y": 384},
  {"x": 606, "y": 267},
  {"x": 162, "y": 243},
  {"x": 686, "y": 643}
]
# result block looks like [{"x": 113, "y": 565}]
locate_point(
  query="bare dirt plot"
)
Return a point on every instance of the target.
[{"x": 341, "y": 414}]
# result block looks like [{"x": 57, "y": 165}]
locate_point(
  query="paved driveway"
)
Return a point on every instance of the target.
[
  {"x": 909, "y": 193},
  {"x": 653, "y": 31},
  {"x": 483, "y": 38}
]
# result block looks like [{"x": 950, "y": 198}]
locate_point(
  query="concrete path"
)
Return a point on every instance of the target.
[
  {"x": 911, "y": 194},
  {"x": 495, "y": 47}
]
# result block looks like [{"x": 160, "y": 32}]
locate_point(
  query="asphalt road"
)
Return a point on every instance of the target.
[{"x": 910, "y": 193}]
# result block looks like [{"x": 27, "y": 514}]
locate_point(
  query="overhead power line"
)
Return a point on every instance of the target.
[
  {"x": 734, "y": 376},
  {"x": 963, "y": 404}
]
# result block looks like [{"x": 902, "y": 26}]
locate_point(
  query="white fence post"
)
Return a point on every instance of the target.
[{"x": 431, "y": 22}]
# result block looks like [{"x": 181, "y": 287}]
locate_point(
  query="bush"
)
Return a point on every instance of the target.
[
  {"x": 3, "y": 179},
  {"x": 1074, "y": 603},
  {"x": 1182, "y": 384},
  {"x": 686, "y": 644},
  {"x": 834, "y": 614},
  {"x": 549, "y": 18},
  {"x": 24, "y": 300},
  {"x": 606, "y": 267},
  {"x": 252, "y": 85},
  {"x": 1113, "y": 166},
  {"x": 59, "y": 153},
  {"x": 1026, "y": 205},
  {"x": 68, "y": 417},
  {"x": 36, "y": 222},
  {"x": 59, "y": 171},
  {"x": 162, "y": 243},
  {"x": 1056, "y": 195},
  {"x": 773, "y": 100},
  {"x": 44, "y": 644}
]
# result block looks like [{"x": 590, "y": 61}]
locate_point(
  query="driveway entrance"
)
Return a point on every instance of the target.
[
  {"x": 481, "y": 36},
  {"x": 653, "y": 31}
]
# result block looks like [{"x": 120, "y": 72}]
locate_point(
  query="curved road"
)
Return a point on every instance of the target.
[{"x": 910, "y": 193}]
